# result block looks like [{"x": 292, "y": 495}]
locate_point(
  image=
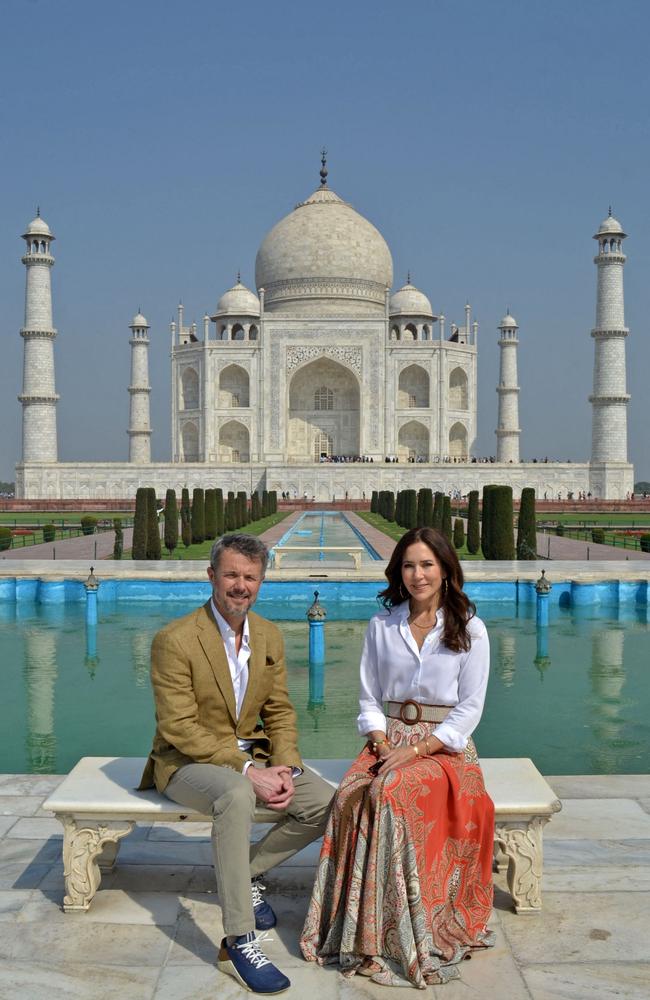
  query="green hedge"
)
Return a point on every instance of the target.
[
  {"x": 5, "y": 538},
  {"x": 473, "y": 524},
  {"x": 49, "y": 532},
  {"x": 459, "y": 533},
  {"x": 139, "y": 543},
  {"x": 527, "y": 525},
  {"x": 171, "y": 521},
  {"x": 88, "y": 524}
]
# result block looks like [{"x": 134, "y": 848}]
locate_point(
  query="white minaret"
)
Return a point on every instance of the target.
[
  {"x": 609, "y": 399},
  {"x": 38, "y": 397},
  {"x": 508, "y": 431},
  {"x": 139, "y": 426}
]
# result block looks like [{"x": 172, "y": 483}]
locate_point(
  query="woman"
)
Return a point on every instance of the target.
[{"x": 404, "y": 884}]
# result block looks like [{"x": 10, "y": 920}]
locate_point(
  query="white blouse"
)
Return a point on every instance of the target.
[{"x": 394, "y": 669}]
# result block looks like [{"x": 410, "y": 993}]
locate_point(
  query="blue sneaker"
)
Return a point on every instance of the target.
[
  {"x": 246, "y": 962},
  {"x": 265, "y": 918}
]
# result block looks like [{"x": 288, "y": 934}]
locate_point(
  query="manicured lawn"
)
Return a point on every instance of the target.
[
  {"x": 13, "y": 518},
  {"x": 394, "y": 531}
]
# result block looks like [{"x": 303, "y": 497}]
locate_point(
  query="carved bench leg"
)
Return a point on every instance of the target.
[
  {"x": 522, "y": 845},
  {"x": 108, "y": 857},
  {"x": 500, "y": 858},
  {"x": 83, "y": 843}
]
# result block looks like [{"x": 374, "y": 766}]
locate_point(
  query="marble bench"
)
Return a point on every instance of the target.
[{"x": 98, "y": 804}]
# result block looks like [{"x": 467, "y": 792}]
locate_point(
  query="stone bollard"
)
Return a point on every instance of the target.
[
  {"x": 543, "y": 588},
  {"x": 91, "y": 586}
]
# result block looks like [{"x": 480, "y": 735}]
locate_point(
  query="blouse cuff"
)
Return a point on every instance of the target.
[
  {"x": 450, "y": 737},
  {"x": 369, "y": 722}
]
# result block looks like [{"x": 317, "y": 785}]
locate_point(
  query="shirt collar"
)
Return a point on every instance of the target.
[{"x": 225, "y": 629}]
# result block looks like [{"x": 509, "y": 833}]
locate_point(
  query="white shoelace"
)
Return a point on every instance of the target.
[
  {"x": 251, "y": 951},
  {"x": 256, "y": 892}
]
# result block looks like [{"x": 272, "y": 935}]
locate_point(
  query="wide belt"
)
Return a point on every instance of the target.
[{"x": 412, "y": 712}]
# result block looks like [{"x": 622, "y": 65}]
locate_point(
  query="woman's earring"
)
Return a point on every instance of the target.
[{"x": 401, "y": 591}]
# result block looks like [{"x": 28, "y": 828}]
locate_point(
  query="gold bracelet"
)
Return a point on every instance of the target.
[
  {"x": 417, "y": 752},
  {"x": 377, "y": 743}
]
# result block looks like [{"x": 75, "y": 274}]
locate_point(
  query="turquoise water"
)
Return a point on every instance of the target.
[
  {"x": 317, "y": 528},
  {"x": 575, "y": 697}
]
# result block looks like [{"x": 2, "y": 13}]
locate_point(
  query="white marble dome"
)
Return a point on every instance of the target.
[
  {"x": 410, "y": 301},
  {"x": 508, "y": 323},
  {"x": 139, "y": 321},
  {"x": 38, "y": 227},
  {"x": 238, "y": 301},
  {"x": 324, "y": 258},
  {"x": 610, "y": 226}
]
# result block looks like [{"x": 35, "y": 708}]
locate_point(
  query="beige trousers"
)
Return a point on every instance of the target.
[{"x": 228, "y": 796}]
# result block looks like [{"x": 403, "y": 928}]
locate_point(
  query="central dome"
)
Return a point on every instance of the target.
[{"x": 324, "y": 258}]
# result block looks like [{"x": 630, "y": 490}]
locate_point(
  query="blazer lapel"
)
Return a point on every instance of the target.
[
  {"x": 212, "y": 643},
  {"x": 256, "y": 663}
]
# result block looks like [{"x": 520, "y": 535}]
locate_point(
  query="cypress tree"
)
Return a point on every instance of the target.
[
  {"x": 198, "y": 515},
  {"x": 527, "y": 525},
  {"x": 171, "y": 521},
  {"x": 219, "y": 509},
  {"x": 118, "y": 544},
  {"x": 503, "y": 537},
  {"x": 390, "y": 505},
  {"x": 446, "y": 516},
  {"x": 373, "y": 502},
  {"x": 186, "y": 525},
  {"x": 229, "y": 515},
  {"x": 473, "y": 527},
  {"x": 399, "y": 503},
  {"x": 242, "y": 509},
  {"x": 153, "y": 528},
  {"x": 139, "y": 543},
  {"x": 211, "y": 514},
  {"x": 410, "y": 509},
  {"x": 425, "y": 507},
  {"x": 273, "y": 502},
  {"x": 265, "y": 503},
  {"x": 256, "y": 509},
  {"x": 436, "y": 519},
  {"x": 486, "y": 521},
  {"x": 459, "y": 533}
]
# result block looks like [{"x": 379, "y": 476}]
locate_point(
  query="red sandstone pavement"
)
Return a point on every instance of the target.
[
  {"x": 84, "y": 547},
  {"x": 559, "y": 547}
]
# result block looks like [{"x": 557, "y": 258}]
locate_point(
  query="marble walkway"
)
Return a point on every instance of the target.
[{"x": 154, "y": 926}]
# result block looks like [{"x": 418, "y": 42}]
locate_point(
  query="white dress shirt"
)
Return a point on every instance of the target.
[
  {"x": 237, "y": 662},
  {"x": 394, "y": 669}
]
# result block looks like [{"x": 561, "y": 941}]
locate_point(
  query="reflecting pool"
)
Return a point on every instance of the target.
[{"x": 574, "y": 696}]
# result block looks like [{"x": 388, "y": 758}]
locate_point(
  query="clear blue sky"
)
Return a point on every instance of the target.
[{"x": 484, "y": 139}]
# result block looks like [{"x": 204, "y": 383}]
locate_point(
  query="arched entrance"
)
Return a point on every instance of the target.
[{"x": 323, "y": 410}]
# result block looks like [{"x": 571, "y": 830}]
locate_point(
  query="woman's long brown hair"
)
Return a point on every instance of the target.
[{"x": 457, "y": 606}]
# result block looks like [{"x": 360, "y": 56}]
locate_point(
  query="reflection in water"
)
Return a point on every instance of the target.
[
  {"x": 316, "y": 703},
  {"x": 542, "y": 660},
  {"x": 40, "y": 678},
  {"x": 141, "y": 653},
  {"x": 506, "y": 658},
  {"x": 91, "y": 660},
  {"x": 607, "y": 675}
]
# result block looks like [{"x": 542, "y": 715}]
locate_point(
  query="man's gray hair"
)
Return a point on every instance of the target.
[{"x": 246, "y": 545}]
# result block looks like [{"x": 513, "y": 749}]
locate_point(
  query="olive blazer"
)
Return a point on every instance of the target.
[{"x": 196, "y": 717}]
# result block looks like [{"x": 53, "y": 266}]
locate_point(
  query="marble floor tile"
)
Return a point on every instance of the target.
[
  {"x": 597, "y": 878},
  {"x": 587, "y": 927},
  {"x": 20, "y": 805},
  {"x": 148, "y": 878},
  {"x": 176, "y": 982},
  {"x": 600, "y": 786},
  {"x": 20, "y": 849},
  {"x": 35, "y": 828},
  {"x": 600, "y": 981},
  {"x": 6, "y": 823},
  {"x": 568, "y": 853},
  {"x": 602, "y": 819},
  {"x": 22, "y": 875},
  {"x": 12, "y": 902},
  {"x": 645, "y": 804},
  {"x": 180, "y": 831},
  {"x": 110, "y": 906},
  {"x": 136, "y": 946},
  {"x": 197, "y": 938},
  {"x": 48, "y": 980},
  {"x": 147, "y": 852},
  {"x": 29, "y": 784}
]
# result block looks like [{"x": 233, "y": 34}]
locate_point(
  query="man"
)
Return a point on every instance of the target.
[{"x": 226, "y": 739}]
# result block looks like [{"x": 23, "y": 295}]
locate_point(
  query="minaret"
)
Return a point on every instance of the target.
[
  {"x": 609, "y": 399},
  {"x": 38, "y": 397},
  {"x": 507, "y": 431},
  {"x": 139, "y": 426}
]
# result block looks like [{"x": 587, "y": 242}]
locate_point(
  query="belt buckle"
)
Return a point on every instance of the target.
[{"x": 418, "y": 712}]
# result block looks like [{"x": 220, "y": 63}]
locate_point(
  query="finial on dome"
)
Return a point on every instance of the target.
[
  {"x": 610, "y": 211},
  {"x": 38, "y": 211},
  {"x": 323, "y": 169},
  {"x": 408, "y": 277},
  {"x": 507, "y": 310},
  {"x": 238, "y": 277}
]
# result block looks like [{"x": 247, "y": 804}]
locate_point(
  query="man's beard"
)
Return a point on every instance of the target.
[{"x": 237, "y": 610}]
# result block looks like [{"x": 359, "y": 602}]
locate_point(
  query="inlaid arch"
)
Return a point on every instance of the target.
[
  {"x": 458, "y": 442},
  {"x": 190, "y": 438},
  {"x": 458, "y": 393},
  {"x": 234, "y": 442},
  {"x": 413, "y": 442},
  {"x": 324, "y": 398},
  {"x": 413, "y": 388},
  {"x": 234, "y": 387},
  {"x": 189, "y": 389}
]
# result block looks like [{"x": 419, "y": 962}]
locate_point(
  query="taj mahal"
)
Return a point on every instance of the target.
[{"x": 323, "y": 382}]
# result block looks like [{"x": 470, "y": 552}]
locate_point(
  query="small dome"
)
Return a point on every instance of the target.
[
  {"x": 508, "y": 322},
  {"x": 138, "y": 321},
  {"x": 238, "y": 301},
  {"x": 409, "y": 301},
  {"x": 38, "y": 227},
  {"x": 610, "y": 227}
]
